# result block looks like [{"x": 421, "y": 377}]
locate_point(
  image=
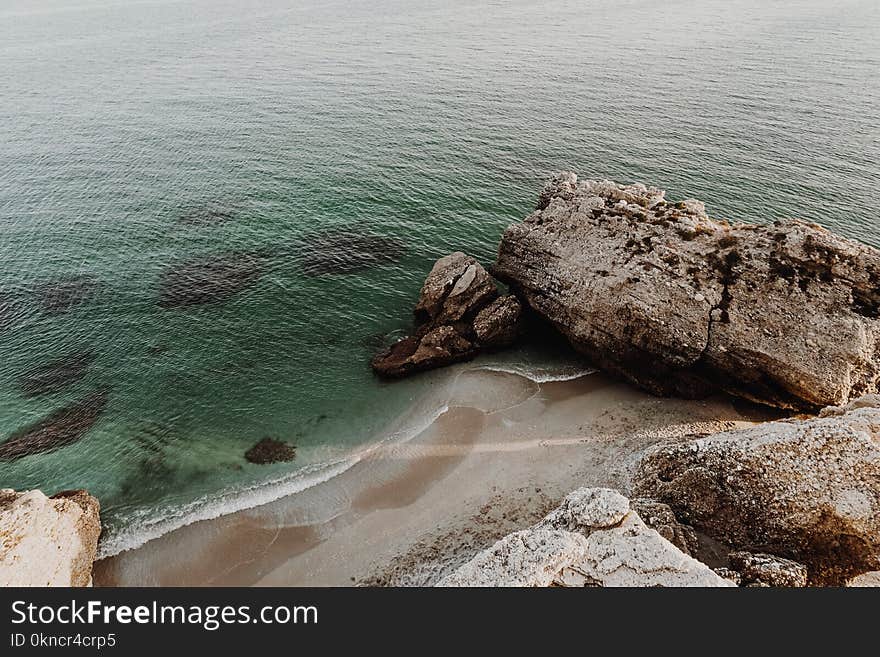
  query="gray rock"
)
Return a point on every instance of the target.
[
  {"x": 678, "y": 303},
  {"x": 455, "y": 290},
  {"x": 807, "y": 490},
  {"x": 659, "y": 517},
  {"x": 457, "y": 315},
  {"x": 592, "y": 539}
]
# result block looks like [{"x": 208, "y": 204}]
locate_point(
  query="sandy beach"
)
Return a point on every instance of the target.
[{"x": 502, "y": 454}]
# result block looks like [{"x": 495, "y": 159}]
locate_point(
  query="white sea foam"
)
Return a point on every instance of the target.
[
  {"x": 155, "y": 523},
  {"x": 542, "y": 376}
]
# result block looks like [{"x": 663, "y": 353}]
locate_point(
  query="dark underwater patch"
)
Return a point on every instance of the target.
[
  {"x": 61, "y": 296},
  {"x": 208, "y": 215},
  {"x": 207, "y": 280},
  {"x": 346, "y": 251},
  {"x": 57, "y": 375},
  {"x": 59, "y": 429}
]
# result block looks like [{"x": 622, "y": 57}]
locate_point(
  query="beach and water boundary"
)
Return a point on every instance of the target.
[{"x": 496, "y": 451}]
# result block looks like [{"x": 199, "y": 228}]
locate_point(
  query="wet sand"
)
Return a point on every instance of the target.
[{"x": 503, "y": 454}]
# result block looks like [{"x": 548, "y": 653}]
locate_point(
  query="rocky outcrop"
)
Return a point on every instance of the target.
[
  {"x": 593, "y": 539},
  {"x": 658, "y": 293},
  {"x": 48, "y": 541},
  {"x": 270, "y": 450},
  {"x": 659, "y": 517},
  {"x": 458, "y": 314},
  {"x": 498, "y": 324},
  {"x": 767, "y": 570},
  {"x": 807, "y": 490}
]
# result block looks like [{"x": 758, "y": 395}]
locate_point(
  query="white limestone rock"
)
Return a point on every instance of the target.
[
  {"x": 592, "y": 539},
  {"x": 47, "y": 541}
]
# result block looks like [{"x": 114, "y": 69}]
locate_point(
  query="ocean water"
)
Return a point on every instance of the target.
[{"x": 301, "y": 164}]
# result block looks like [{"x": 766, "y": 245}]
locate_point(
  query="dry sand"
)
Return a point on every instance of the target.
[{"x": 503, "y": 454}]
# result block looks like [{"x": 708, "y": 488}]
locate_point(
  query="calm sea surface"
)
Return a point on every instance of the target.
[{"x": 213, "y": 212}]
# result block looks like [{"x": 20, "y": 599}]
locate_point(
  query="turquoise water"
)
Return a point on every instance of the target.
[{"x": 303, "y": 163}]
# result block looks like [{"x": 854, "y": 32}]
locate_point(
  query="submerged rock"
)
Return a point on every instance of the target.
[
  {"x": 56, "y": 375},
  {"x": 458, "y": 314},
  {"x": 208, "y": 215},
  {"x": 592, "y": 539},
  {"x": 63, "y": 427},
  {"x": 209, "y": 279},
  {"x": 678, "y": 303},
  {"x": 48, "y": 541},
  {"x": 61, "y": 296},
  {"x": 807, "y": 490},
  {"x": 270, "y": 450},
  {"x": 346, "y": 251}
]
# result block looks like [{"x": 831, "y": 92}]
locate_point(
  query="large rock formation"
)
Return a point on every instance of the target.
[
  {"x": 458, "y": 314},
  {"x": 807, "y": 490},
  {"x": 678, "y": 303},
  {"x": 48, "y": 541},
  {"x": 592, "y": 539}
]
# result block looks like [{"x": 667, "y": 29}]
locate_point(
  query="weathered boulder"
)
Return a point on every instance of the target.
[
  {"x": 659, "y": 517},
  {"x": 499, "y": 324},
  {"x": 48, "y": 541},
  {"x": 767, "y": 570},
  {"x": 456, "y": 289},
  {"x": 807, "y": 490},
  {"x": 678, "y": 303},
  {"x": 865, "y": 580},
  {"x": 436, "y": 348},
  {"x": 457, "y": 315},
  {"x": 270, "y": 450},
  {"x": 592, "y": 539}
]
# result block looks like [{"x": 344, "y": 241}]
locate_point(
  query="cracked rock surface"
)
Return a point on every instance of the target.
[
  {"x": 807, "y": 490},
  {"x": 680, "y": 304},
  {"x": 458, "y": 315},
  {"x": 592, "y": 539}
]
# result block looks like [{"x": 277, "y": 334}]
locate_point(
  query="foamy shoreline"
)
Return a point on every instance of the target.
[
  {"x": 496, "y": 451},
  {"x": 417, "y": 419}
]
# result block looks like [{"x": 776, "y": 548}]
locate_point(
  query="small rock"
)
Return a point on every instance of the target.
[{"x": 270, "y": 450}]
